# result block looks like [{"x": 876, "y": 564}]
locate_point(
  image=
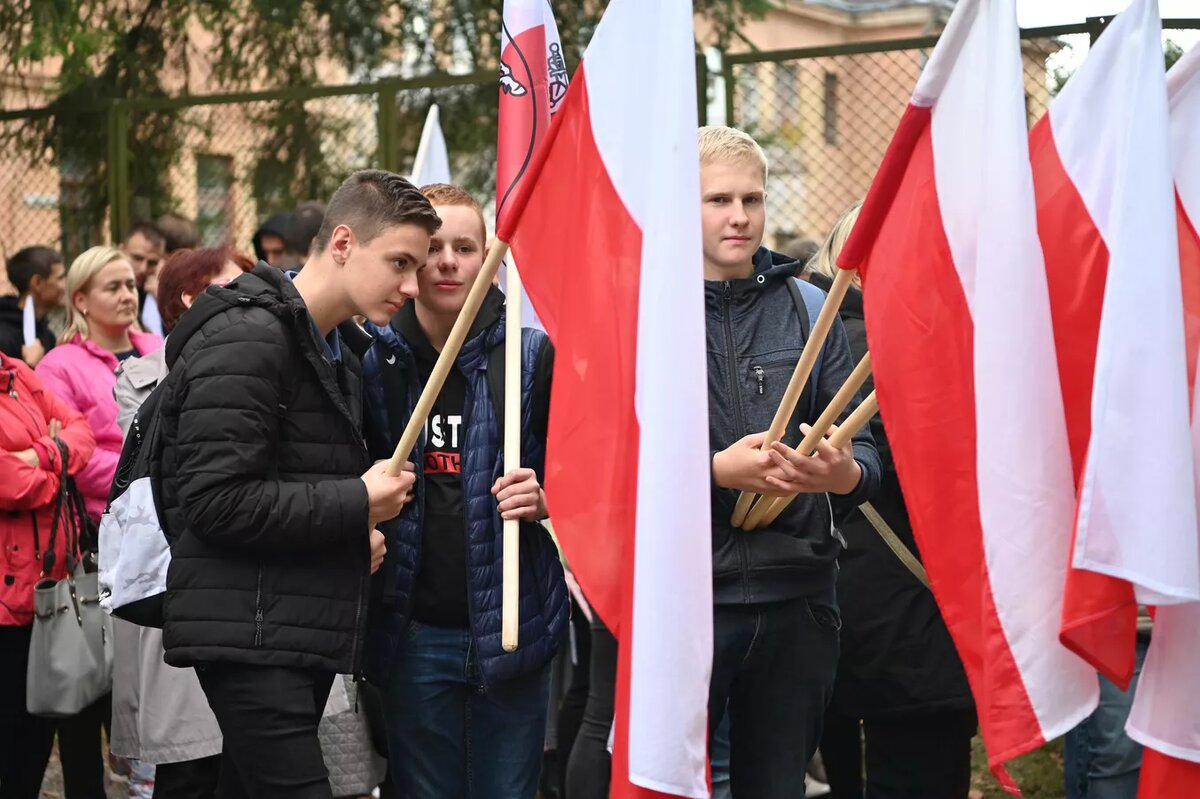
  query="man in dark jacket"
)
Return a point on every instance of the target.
[
  {"x": 39, "y": 277},
  {"x": 464, "y": 718},
  {"x": 270, "y": 240},
  {"x": 270, "y": 522},
  {"x": 775, "y": 616}
]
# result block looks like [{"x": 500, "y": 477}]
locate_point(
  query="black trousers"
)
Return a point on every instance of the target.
[
  {"x": 574, "y": 702},
  {"x": 589, "y": 767},
  {"x": 910, "y": 756},
  {"x": 268, "y": 718},
  {"x": 189, "y": 779},
  {"x": 773, "y": 669},
  {"x": 25, "y": 740}
]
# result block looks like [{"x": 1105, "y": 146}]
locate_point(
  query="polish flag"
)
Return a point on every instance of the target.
[
  {"x": 533, "y": 83},
  {"x": 958, "y": 319},
  {"x": 1106, "y": 214},
  {"x": 615, "y": 191},
  {"x": 1166, "y": 710}
]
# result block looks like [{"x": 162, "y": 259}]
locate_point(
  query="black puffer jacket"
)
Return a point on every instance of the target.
[
  {"x": 897, "y": 656},
  {"x": 755, "y": 337},
  {"x": 260, "y": 485}
]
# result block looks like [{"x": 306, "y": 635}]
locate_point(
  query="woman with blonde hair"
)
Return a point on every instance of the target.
[{"x": 102, "y": 306}]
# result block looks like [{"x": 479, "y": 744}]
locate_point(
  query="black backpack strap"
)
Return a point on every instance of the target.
[
  {"x": 539, "y": 417},
  {"x": 495, "y": 381}
]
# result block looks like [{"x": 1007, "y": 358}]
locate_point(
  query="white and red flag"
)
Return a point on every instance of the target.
[
  {"x": 533, "y": 83},
  {"x": 958, "y": 319},
  {"x": 1106, "y": 214},
  {"x": 615, "y": 190},
  {"x": 432, "y": 162},
  {"x": 1166, "y": 710}
]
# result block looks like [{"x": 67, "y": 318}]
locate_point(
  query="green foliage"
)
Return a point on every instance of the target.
[{"x": 124, "y": 49}]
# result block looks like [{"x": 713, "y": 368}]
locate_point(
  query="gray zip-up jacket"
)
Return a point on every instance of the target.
[{"x": 755, "y": 337}]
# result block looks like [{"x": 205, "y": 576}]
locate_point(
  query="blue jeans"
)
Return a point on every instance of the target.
[
  {"x": 450, "y": 736},
  {"x": 1099, "y": 760}
]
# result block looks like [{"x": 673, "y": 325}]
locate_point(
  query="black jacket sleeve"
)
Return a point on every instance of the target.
[
  {"x": 230, "y": 408},
  {"x": 836, "y": 367}
]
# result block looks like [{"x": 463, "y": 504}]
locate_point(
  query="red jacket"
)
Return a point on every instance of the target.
[{"x": 28, "y": 494}]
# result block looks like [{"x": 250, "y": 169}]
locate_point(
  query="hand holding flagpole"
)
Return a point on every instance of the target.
[{"x": 448, "y": 355}]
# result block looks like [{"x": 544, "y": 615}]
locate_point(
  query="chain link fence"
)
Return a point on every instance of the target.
[{"x": 824, "y": 115}]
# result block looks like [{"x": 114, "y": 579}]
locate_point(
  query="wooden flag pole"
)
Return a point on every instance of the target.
[
  {"x": 448, "y": 355},
  {"x": 808, "y": 446},
  {"x": 816, "y": 339},
  {"x": 854, "y": 422},
  {"x": 510, "y": 620}
]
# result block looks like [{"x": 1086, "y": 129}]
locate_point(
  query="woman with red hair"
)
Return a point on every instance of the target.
[{"x": 160, "y": 714}]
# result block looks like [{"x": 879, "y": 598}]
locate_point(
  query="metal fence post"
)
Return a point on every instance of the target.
[
  {"x": 118, "y": 169},
  {"x": 730, "y": 89},
  {"x": 702, "y": 88},
  {"x": 388, "y": 157}
]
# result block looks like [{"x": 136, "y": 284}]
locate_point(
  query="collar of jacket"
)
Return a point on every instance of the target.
[
  {"x": 142, "y": 343},
  {"x": 770, "y": 269},
  {"x": 404, "y": 334}
]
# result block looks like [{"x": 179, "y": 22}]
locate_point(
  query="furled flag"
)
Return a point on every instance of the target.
[
  {"x": 958, "y": 321},
  {"x": 615, "y": 188},
  {"x": 1106, "y": 215},
  {"x": 432, "y": 164},
  {"x": 533, "y": 83},
  {"x": 1166, "y": 710}
]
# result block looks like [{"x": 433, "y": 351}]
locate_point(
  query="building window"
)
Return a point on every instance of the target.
[
  {"x": 214, "y": 199},
  {"x": 831, "y": 120},
  {"x": 787, "y": 90}
]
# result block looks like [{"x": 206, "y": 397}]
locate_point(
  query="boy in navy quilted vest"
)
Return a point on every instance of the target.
[
  {"x": 463, "y": 717},
  {"x": 775, "y": 612}
]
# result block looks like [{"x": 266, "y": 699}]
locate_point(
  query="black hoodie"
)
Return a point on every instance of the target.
[
  {"x": 12, "y": 328},
  {"x": 755, "y": 337}
]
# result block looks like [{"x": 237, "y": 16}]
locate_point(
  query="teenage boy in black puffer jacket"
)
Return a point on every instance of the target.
[
  {"x": 775, "y": 616},
  {"x": 270, "y": 522}
]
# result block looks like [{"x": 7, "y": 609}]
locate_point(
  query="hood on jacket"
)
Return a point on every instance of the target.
[{"x": 276, "y": 225}]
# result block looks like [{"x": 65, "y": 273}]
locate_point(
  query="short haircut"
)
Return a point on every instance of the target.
[
  {"x": 179, "y": 232},
  {"x": 25, "y": 264},
  {"x": 303, "y": 227},
  {"x": 369, "y": 201},
  {"x": 730, "y": 145},
  {"x": 149, "y": 231},
  {"x": 446, "y": 194},
  {"x": 190, "y": 272},
  {"x": 825, "y": 260}
]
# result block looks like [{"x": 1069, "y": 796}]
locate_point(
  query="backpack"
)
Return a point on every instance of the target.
[
  {"x": 809, "y": 300},
  {"x": 134, "y": 551},
  {"x": 134, "y": 545}
]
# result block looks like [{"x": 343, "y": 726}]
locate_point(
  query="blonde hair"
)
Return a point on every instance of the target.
[
  {"x": 825, "y": 261},
  {"x": 721, "y": 144},
  {"x": 82, "y": 270}
]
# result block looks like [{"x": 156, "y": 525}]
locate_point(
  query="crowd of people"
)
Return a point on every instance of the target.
[{"x": 333, "y": 628}]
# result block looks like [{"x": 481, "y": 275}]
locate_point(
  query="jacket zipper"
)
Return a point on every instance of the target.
[
  {"x": 761, "y": 375},
  {"x": 736, "y": 398},
  {"x": 258, "y": 611}
]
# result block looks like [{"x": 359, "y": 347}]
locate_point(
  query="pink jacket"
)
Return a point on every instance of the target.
[{"x": 83, "y": 374}]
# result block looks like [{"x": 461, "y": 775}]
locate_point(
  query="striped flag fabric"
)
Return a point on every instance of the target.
[
  {"x": 615, "y": 189},
  {"x": 1166, "y": 711},
  {"x": 1106, "y": 214},
  {"x": 959, "y": 325}
]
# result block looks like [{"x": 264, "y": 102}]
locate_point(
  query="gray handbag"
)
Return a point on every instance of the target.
[{"x": 70, "y": 654}]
